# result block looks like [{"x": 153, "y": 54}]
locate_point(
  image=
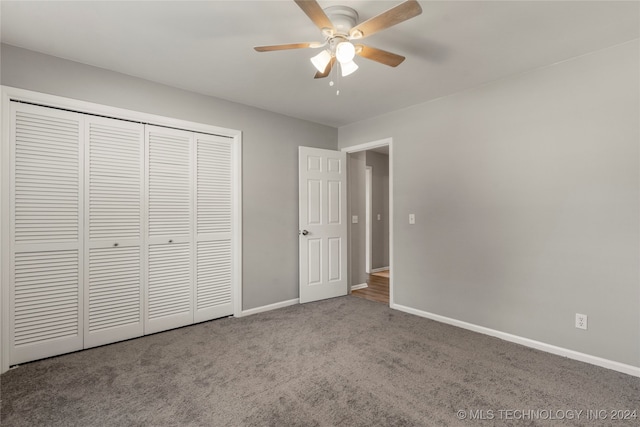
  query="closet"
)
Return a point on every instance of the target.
[{"x": 117, "y": 229}]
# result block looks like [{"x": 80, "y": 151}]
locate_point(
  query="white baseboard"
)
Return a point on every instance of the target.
[
  {"x": 377, "y": 270},
  {"x": 270, "y": 307},
  {"x": 360, "y": 286},
  {"x": 560, "y": 351}
]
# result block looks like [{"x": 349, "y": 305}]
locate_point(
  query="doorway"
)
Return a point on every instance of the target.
[{"x": 370, "y": 190}]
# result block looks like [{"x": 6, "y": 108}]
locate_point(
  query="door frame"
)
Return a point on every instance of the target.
[
  {"x": 364, "y": 147},
  {"x": 368, "y": 235}
]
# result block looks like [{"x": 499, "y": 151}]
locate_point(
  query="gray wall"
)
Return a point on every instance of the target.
[
  {"x": 379, "y": 205},
  {"x": 269, "y": 163},
  {"x": 526, "y": 195}
]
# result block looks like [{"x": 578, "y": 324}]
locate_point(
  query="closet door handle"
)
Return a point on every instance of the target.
[
  {"x": 170, "y": 241},
  {"x": 115, "y": 244}
]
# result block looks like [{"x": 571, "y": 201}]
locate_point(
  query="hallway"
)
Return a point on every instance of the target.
[{"x": 377, "y": 289}]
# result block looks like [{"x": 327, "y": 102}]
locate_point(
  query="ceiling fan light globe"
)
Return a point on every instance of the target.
[
  {"x": 348, "y": 68},
  {"x": 321, "y": 60},
  {"x": 345, "y": 52}
]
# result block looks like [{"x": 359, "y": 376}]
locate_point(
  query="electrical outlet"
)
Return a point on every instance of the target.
[
  {"x": 412, "y": 218},
  {"x": 354, "y": 219},
  {"x": 581, "y": 321}
]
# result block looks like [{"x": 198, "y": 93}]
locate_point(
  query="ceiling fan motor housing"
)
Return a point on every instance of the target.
[{"x": 343, "y": 18}]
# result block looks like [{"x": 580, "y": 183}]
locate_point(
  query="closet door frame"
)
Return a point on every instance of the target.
[{"x": 16, "y": 94}]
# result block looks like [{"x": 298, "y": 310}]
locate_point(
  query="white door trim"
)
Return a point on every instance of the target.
[
  {"x": 368, "y": 146},
  {"x": 10, "y": 93},
  {"x": 368, "y": 218}
]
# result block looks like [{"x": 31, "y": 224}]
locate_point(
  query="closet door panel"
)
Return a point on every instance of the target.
[
  {"x": 213, "y": 284},
  {"x": 169, "y": 183},
  {"x": 169, "y": 286},
  {"x": 45, "y": 288},
  {"x": 46, "y": 307},
  {"x": 214, "y": 297},
  {"x": 169, "y": 295},
  {"x": 116, "y": 173},
  {"x": 114, "y": 274},
  {"x": 114, "y": 304},
  {"x": 46, "y": 172}
]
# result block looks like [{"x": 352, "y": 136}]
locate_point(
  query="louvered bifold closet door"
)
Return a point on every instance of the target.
[
  {"x": 169, "y": 300},
  {"x": 114, "y": 182},
  {"x": 45, "y": 232},
  {"x": 214, "y": 297}
]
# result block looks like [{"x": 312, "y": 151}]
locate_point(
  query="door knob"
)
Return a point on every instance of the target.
[{"x": 304, "y": 232}]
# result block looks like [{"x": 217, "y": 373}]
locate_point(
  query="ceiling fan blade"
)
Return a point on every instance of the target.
[
  {"x": 379, "y": 55},
  {"x": 315, "y": 13},
  {"x": 283, "y": 47},
  {"x": 391, "y": 17},
  {"x": 327, "y": 70}
]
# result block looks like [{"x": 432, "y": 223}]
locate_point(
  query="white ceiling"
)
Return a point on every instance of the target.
[{"x": 207, "y": 47}]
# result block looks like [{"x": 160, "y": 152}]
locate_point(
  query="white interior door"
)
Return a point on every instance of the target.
[{"x": 323, "y": 223}]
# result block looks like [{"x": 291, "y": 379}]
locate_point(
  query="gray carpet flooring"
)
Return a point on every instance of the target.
[{"x": 341, "y": 362}]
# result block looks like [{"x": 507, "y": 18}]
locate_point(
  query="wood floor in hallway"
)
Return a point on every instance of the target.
[{"x": 377, "y": 289}]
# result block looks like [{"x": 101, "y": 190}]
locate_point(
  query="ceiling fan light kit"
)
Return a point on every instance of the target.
[
  {"x": 339, "y": 25},
  {"x": 321, "y": 60},
  {"x": 348, "y": 68},
  {"x": 345, "y": 52}
]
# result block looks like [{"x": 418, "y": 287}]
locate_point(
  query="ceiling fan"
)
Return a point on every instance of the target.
[{"x": 339, "y": 28}]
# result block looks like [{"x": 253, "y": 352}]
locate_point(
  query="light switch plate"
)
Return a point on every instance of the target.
[
  {"x": 412, "y": 218},
  {"x": 354, "y": 219}
]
